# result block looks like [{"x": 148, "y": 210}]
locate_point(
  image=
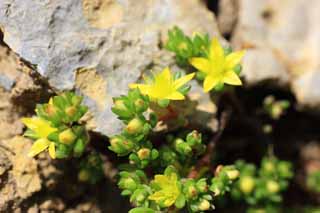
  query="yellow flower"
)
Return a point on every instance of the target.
[
  {"x": 40, "y": 129},
  {"x": 169, "y": 190},
  {"x": 218, "y": 67},
  {"x": 163, "y": 86}
]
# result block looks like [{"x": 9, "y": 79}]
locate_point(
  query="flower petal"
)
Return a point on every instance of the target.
[
  {"x": 175, "y": 96},
  {"x": 202, "y": 64},
  {"x": 38, "y": 146},
  {"x": 157, "y": 196},
  {"x": 210, "y": 82},
  {"x": 216, "y": 50},
  {"x": 52, "y": 150},
  {"x": 40, "y": 127},
  {"x": 233, "y": 59},
  {"x": 144, "y": 89},
  {"x": 232, "y": 78},
  {"x": 165, "y": 75},
  {"x": 183, "y": 80}
]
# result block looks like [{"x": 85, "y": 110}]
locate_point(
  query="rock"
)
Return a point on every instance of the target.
[
  {"x": 22, "y": 180},
  {"x": 99, "y": 46},
  {"x": 19, "y": 93},
  {"x": 227, "y": 17},
  {"x": 287, "y": 36}
]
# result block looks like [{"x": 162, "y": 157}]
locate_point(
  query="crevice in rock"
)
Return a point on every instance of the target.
[{"x": 213, "y": 5}]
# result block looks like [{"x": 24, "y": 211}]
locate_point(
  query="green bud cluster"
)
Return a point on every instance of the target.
[
  {"x": 91, "y": 169},
  {"x": 275, "y": 108},
  {"x": 133, "y": 139},
  {"x": 262, "y": 187},
  {"x": 64, "y": 112},
  {"x": 133, "y": 184},
  {"x": 174, "y": 158},
  {"x": 178, "y": 151},
  {"x": 186, "y": 47},
  {"x": 221, "y": 183}
]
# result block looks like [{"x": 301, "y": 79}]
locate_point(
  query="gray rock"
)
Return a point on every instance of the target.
[
  {"x": 96, "y": 47},
  {"x": 6, "y": 82},
  {"x": 283, "y": 43}
]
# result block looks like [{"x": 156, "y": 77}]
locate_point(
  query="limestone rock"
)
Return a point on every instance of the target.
[
  {"x": 22, "y": 180},
  {"x": 98, "y": 46},
  {"x": 283, "y": 42}
]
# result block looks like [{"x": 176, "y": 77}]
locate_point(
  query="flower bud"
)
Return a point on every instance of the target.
[
  {"x": 119, "y": 105},
  {"x": 204, "y": 205},
  {"x": 51, "y": 110},
  {"x": 191, "y": 191},
  {"x": 140, "y": 105},
  {"x": 182, "y": 147},
  {"x": 71, "y": 111},
  {"x": 233, "y": 174},
  {"x": 130, "y": 184},
  {"x": 247, "y": 184},
  {"x": 135, "y": 126},
  {"x": 273, "y": 186},
  {"x": 83, "y": 175},
  {"x": 193, "y": 138},
  {"x": 67, "y": 137},
  {"x": 269, "y": 166},
  {"x": 120, "y": 145},
  {"x": 202, "y": 185},
  {"x": 143, "y": 153}
]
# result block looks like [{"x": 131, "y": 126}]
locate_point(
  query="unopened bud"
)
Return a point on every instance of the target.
[
  {"x": 71, "y": 111},
  {"x": 273, "y": 186},
  {"x": 119, "y": 105},
  {"x": 83, "y": 175},
  {"x": 202, "y": 186},
  {"x": 269, "y": 166},
  {"x": 204, "y": 205},
  {"x": 130, "y": 184},
  {"x": 140, "y": 105},
  {"x": 192, "y": 191},
  {"x": 183, "y": 46},
  {"x": 246, "y": 184},
  {"x": 134, "y": 126},
  {"x": 120, "y": 145},
  {"x": 67, "y": 137},
  {"x": 143, "y": 153},
  {"x": 233, "y": 174},
  {"x": 51, "y": 110}
]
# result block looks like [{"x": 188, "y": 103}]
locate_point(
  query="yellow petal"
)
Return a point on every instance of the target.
[
  {"x": 38, "y": 146},
  {"x": 233, "y": 59},
  {"x": 165, "y": 75},
  {"x": 232, "y": 78},
  {"x": 216, "y": 50},
  {"x": 175, "y": 96},
  {"x": 169, "y": 201},
  {"x": 202, "y": 64},
  {"x": 144, "y": 89},
  {"x": 157, "y": 196},
  {"x": 40, "y": 127},
  {"x": 52, "y": 150},
  {"x": 50, "y": 101},
  {"x": 183, "y": 80},
  {"x": 210, "y": 82}
]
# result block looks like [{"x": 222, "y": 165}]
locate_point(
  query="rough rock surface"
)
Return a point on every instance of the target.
[
  {"x": 96, "y": 47},
  {"x": 283, "y": 41},
  {"x": 17, "y": 93},
  {"x": 18, "y": 173}
]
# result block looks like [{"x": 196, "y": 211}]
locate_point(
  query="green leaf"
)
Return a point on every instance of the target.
[{"x": 180, "y": 202}]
